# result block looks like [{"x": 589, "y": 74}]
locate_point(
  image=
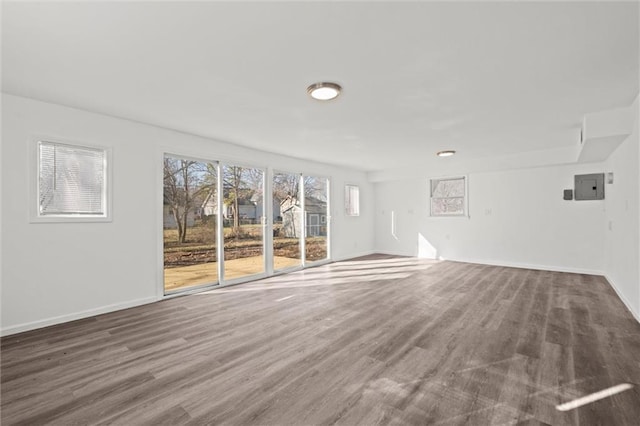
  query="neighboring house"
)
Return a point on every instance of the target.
[
  {"x": 209, "y": 206},
  {"x": 169, "y": 221},
  {"x": 316, "y": 217},
  {"x": 250, "y": 209},
  {"x": 257, "y": 199}
]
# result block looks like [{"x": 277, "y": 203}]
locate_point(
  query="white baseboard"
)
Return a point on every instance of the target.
[
  {"x": 507, "y": 264},
  {"x": 552, "y": 268},
  {"x": 394, "y": 253},
  {"x": 635, "y": 314},
  {"x": 6, "y": 331},
  {"x": 628, "y": 305},
  {"x": 353, "y": 255}
]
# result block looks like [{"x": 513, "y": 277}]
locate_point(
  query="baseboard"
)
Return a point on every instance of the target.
[
  {"x": 394, "y": 253},
  {"x": 75, "y": 316},
  {"x": 552, "y": 268},
  {"x": 611, "y": 282},
  {"x": 6, "y": 331},
  {"x": 353, "y": 255}
]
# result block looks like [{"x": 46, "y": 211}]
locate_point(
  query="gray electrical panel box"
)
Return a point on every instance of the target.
[{"x": 589, "y": 187}]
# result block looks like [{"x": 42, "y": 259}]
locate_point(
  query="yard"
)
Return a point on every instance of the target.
[{"x": 201, "y": 245}]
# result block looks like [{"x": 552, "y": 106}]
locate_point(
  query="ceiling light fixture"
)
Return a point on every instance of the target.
[
  {"x": 324, "y": 91},
  {"x": 447, "y": 153}
]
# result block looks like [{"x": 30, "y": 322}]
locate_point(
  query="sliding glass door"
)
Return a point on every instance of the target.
[
  {"x": 216, "y": 218},
  {"x": 316, "y": 218},
  {"x": 189, "y": 223},
  {"x": 287, "y": 221},
  {"x": 244, "y": 221}
]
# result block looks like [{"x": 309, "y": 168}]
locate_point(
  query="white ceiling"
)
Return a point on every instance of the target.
[{"x": 482, "y": 78}]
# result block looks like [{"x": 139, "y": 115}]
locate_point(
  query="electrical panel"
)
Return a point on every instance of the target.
[{"x": 589, "y": 187}]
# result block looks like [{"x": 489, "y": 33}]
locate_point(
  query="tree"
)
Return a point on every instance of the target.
[
  {"x": 241, "y": 184},
  {"x": 233, "y": 183},
  {"x": 315, "y": 187},
  {"x": 288, "y": 184},
  {"x": 285, "y": 184},
  {"x": 184, "y": 184}
]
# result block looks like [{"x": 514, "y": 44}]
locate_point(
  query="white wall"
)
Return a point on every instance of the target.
[
  {"x": 622, "y": 223},
  {"x": 54, "y": 272},
  {"x": 517, "y": 218}
]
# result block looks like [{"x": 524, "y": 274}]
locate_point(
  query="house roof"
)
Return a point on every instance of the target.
[{"x": 311, "y": 205}]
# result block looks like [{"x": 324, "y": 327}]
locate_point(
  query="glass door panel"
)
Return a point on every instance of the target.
[
  {"x": 287, "y": 221},
  {"x": 189, "y": 223},
  {"x": 316, "y": 195},
  {"x": 244, "y": 221}
]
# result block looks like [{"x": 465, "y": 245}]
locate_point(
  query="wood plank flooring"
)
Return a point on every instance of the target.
[{"x": 376, "y": 340}]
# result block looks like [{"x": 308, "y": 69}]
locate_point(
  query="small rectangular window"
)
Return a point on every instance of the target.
[
  {"x": 352, "y": 200},
  {"x": 448, "y": 197},
  {"x": 72, "y": 181}
]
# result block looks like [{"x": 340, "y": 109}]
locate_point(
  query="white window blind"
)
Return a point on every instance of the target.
[
  {"x": 448, "y": 197},
  {"x": 352, "y": 200},
  {"x": 71, "y": 181}
]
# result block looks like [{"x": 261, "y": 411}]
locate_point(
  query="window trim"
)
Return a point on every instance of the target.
[
  {"x": 347, "y": 193},
  {"x": 34, "y": 174},
  {"x": 465, "y": 203}
]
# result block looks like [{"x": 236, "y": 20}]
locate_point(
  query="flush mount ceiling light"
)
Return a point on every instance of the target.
[
  {"x": 324, "y": 91},
  {"x": 447, "y": 153}
]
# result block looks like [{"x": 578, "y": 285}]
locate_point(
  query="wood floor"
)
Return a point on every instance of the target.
[{"x": 377, "y": 340}]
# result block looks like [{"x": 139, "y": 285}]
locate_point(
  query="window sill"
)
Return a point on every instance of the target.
[{"x": 70, "y": 219}]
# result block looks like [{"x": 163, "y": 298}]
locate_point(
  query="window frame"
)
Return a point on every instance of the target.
[
  {"x": 348, "y": 202},
  {"x": 35, "y": 216},
  {"x": 465, "y": 198}
]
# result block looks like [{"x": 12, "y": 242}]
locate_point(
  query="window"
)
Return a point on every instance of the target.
[
  {"x": 448, "y": 197},
  {"x": 352, "y": 200},
  {"x": 72, "y": 181}
]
